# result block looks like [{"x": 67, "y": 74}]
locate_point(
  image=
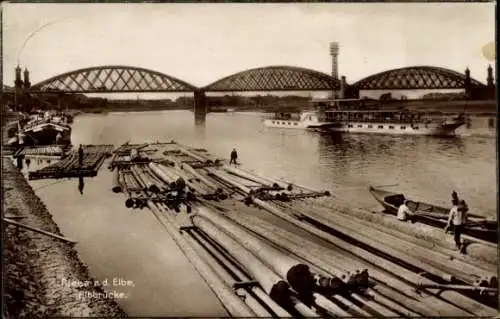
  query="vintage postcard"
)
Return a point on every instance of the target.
[{"x": 249, "y": 160}]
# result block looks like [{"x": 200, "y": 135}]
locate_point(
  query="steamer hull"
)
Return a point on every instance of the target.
[
  {"x": 41, "y": 131},
  {"x": 48, "y": 134},
  {"x": 433, "y": 129},
  {"x": 356, "y": 116}
]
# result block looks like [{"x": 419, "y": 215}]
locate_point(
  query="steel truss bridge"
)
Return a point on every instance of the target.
[
  {"x": 119, "y": 78},
  {"x": 108, "y": 79},
  {"x": 415, "y": 78}
]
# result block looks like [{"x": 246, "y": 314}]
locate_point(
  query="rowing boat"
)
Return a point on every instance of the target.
[{"x": 476, "y": 226}]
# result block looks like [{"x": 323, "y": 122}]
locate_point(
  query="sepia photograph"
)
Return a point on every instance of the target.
[{"x": 249, "y": 160}]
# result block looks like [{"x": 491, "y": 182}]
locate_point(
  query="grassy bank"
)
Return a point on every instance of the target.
[{"x": 38, "y": 268}]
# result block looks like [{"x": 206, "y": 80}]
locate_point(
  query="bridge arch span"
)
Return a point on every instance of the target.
[
  {"x": 414, "y": 78},
  {"x": 113, "y": 78},
  {"x": 274, "y": 78}
]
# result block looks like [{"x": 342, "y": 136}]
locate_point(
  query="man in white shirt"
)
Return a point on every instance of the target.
[
  {"x": 403, "y": 211},
  {"x": 456, "y": 218}
]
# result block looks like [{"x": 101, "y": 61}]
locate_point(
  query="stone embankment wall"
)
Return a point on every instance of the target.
[{"x": 38, "y": 268}]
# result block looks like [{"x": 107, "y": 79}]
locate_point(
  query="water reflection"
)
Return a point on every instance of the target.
[
  {"x": 200, "y": 120},
  {"x": 454, "y": 144},
  {"x": 491, "y": 123},
  {"x": 200, "y": 130}
]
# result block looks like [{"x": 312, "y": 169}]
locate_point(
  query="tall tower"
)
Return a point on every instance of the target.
[
  {"x": 467, "y": 76},
  {"x": 467, "y": 83},
  {"x": 334, "y": 52},
  {"x": 490, "y": 81},
  {"x": 27, "y": 82},
  {"x": 18, "y": 82}
]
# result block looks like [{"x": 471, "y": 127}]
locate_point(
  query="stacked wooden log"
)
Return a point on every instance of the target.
[
  {"x": 282, "y": 252},
  {"x": 430, "y": 261},
  {"x": 161, "y": 184}
]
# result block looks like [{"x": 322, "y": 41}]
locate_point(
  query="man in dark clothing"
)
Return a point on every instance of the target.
[
  {"x": 80, "y": 155},
  {"x": 234, "y": 157},
  {"x": 19, "y": 160}
]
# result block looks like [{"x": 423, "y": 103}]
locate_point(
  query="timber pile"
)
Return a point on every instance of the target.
[
  {"x": 122, "y": 155},
  {"x": 93, "y": 157},
  {"x": 267, "y": 247}
]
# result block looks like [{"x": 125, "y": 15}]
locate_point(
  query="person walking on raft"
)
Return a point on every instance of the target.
[{"x": 456, "y": 221}]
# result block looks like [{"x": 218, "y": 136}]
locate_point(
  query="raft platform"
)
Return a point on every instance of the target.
[
  {"x": 68, "y": 166},
  {"x": 255, "y": 238}
]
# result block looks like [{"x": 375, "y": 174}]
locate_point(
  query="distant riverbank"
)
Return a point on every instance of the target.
[{"x": 476, "y": 108}]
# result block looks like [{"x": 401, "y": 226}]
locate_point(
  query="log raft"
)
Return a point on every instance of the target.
[
  {"x": 277, "y": 248},
  {"x": 69, "y": 166}
]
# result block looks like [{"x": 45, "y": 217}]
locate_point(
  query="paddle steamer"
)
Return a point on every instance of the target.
[{"x": 353, "y": 116}]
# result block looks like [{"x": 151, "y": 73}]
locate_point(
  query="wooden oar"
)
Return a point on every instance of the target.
[
  {"x": 457, "y": 287},
  {"x": 371, "y": 186},
  {"x": 387, "y": 185}
]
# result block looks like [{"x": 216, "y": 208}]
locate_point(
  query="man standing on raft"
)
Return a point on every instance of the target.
[{"x": 234, "y": 157}]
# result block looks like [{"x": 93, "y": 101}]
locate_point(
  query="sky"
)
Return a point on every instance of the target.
[{"x": 201, "y": 43}]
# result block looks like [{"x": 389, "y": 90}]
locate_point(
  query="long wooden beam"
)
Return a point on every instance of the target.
[
  {"x": 233, "y": 304},
  {"x": 268, "y": 279},
  {"x": 117, "y": 187},
  {"x": 459, "y": 287},
  {"x": 431, "y": 261},
  {"x": 472, "y": 306},
  {"x": 323, "y": 257},
  {"x": 282, "y": 264},
  {"x": 403, "y": 235},
  {"x": 228, "y": 180},
  {"x": 40, "y": 231},
  {"x": 192, "y": 154},
  {"x": 296, "y": 245},
  {"x": 202, "y": 178},
  {"x": 214, "y": 248},
  {"x": 204, "y": 251}
]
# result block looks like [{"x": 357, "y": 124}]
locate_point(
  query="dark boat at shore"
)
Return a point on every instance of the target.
[
  {"x": 41, "y": 129},
  {"x": 476, "y": 226}
]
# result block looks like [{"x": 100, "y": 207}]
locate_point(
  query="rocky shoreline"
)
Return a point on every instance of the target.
[{"x": 38, "y": 269}]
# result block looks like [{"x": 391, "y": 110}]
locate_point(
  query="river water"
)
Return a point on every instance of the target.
[
  {"x": 425, "y": 168},
  {"x": 117, "y": 242}
]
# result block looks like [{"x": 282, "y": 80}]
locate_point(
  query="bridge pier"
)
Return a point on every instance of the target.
[{"x": 200, "y": 107}]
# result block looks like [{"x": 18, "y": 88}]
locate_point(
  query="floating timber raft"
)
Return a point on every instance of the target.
[
  {"x": 267, "y": 247},
  {"x": 68, "y": 166}
]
